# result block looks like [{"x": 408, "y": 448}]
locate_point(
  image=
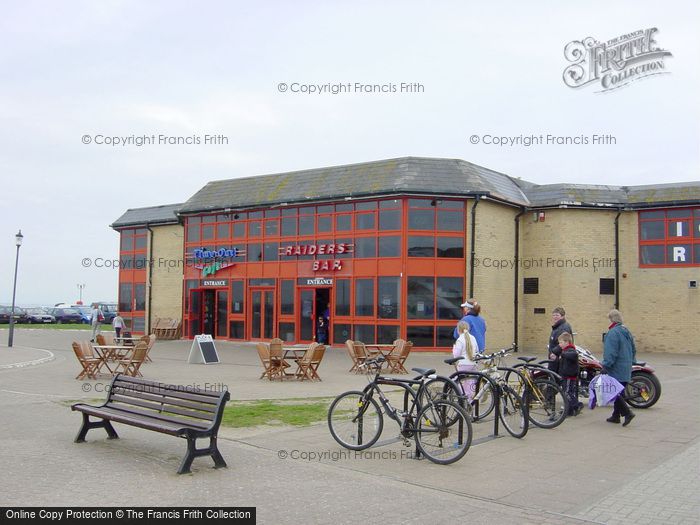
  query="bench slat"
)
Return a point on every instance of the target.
[
  {"x": 132, "y": 419},
  {"x": 166, "y": 399},
  {"x": 154, "y": 388},
  {"x": 161, "y": 407},
  {"x": 157, "y": 417}
]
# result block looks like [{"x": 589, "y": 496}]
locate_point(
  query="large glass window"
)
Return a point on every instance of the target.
[
  {"x": 364, "y": 297},
  {"x": 365, "y": 247},
  {"x": 125, "y": 297},
  {"x": 306, "y": 225},
  {"x": 421, "y": 246},
  {"x": 341, "y": 333},
  {"x": 389, "y": 246},
  {"x": 140, "y": 296},
  {"x": 421, "y": 335},
  {"x": 451, "y": 247},
  {"x": 387, "y": 334},
  {"x": 271, "y": 251},
  {"x": 388, "y": 297},
  {"x": 289, "y": 226},
  {"x": 389, "y": 220},
  {"x": 420, "y": 300},
  {"x": 449, "y": 297},
  {"x": 343, "y": 223},
  {"x": 364, "y": 221},
  {"x": 342, "y": 297},
  {"x": 669, "y": 237},
  {"x": 237, "y": 297},
  {"x": 287, "y": 297},
  {"x": 365, "y": 333},
  {"x": 254, "y": 252}
]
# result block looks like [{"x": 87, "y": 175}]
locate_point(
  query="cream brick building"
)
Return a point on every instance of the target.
[{"x": 223, "y": 261}]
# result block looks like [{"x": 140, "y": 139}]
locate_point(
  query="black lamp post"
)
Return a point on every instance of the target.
[{"x": 18, "y": 242}]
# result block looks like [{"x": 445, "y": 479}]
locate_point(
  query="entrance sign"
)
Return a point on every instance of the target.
[
  {"x": 203, "y": 350},
  {"x": 222, "y": 282},
  {"x": 314, "y": 281}
]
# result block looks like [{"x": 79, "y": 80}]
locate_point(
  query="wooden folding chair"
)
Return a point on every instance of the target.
[
  {"x": 304, "y": 370},
  {"x": 315, "y": 361},
  {"x": 150, "y": 340},
  {"x": 396, "y": 360},
  {"x": 264, "y": 355},
  {"x": 360, "y": 351},
  {"x": 91, "y": 365},
  {"x": 277, "y": 364},
  {"x": 351, "y": 353},
  {"x": 131, "y": 365}
]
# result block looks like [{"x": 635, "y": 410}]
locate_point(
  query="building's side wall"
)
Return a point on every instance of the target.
[
  {"x": 167, "y": 272},
  {"x": 657, "y": 304},
  {"x": 570, "y": 251},
  {"x": 493, "y": 269}
]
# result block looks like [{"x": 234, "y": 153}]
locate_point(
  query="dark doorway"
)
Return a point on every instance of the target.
[
  {"x": 323, "y": 314},
  {"x": 208, "y": 312}
]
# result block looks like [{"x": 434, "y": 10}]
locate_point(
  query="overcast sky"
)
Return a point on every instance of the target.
[{"x": 187, "y": 69}]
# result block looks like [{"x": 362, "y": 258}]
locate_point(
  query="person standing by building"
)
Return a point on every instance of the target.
[
  {"x": 568, "y": 370},
  {"x": 619, "y": 353},
  {"x": 465, "y": 347},
  {"x": 118, "y": 324},
  {"x": 477, "y": 325},
  {"x": 95, "y": 317},
  {"x": 559, "y": 326}
]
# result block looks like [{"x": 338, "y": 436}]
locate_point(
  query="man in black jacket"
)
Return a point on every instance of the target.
[{"x": 559, "y": 326}]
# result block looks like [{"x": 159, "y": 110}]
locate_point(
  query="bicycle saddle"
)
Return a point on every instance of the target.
[
  {"x": 452, "y": 360},
  {"x": 424, "y": 371},
  {"x": 527, "y": 359}
]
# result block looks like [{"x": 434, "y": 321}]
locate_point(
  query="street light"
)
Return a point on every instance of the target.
[{"x": 18, "y": 242}]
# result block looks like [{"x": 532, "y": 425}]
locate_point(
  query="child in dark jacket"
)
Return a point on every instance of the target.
[{"x": 568, "y": 370}]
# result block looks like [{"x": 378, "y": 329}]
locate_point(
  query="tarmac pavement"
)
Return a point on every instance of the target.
[{"x": 585, "y": 471}]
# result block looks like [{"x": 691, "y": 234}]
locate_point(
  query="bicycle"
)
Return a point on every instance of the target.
[
  {"x": 548, "y": 404},
  {"x": 490, "y": 384},
  {"x": 441, "y": 429}
]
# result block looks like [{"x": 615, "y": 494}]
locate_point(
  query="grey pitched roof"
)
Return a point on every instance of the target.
[
  {"x": 407, "y": 175},
  {"x": 145, "y": 216},
  {"x": 599, "y": 195}
]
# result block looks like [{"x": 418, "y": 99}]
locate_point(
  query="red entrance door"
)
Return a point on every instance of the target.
[{"x": 262, "y": 303}]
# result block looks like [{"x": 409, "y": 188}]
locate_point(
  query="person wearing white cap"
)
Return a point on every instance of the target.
[{"x": 477, "y": 325}]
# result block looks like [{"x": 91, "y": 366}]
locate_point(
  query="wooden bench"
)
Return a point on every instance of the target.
[
  {"x": 171, "y": 409},
  {"x": 166, "y": 328}
]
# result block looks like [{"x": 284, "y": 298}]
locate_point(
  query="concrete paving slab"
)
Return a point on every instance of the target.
[{"x": 564, "y": 475}]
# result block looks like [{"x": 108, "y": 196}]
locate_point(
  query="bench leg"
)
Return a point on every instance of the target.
[
  {"x": 193, "y": 452},
  {"x": 87, "y": 425}
]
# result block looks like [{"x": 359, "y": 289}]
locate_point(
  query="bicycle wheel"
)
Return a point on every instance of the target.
[
  {"x": 484, "y": 399},
  {"x": 547, "y": 404},
  {"x": 441, "y": 388},
  {"x": 513, "y": 412},
  {"x": 443, "y": 432},
  {"x": 355, "y": 422}
]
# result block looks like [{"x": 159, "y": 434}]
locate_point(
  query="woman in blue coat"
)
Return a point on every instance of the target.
[{"x": 618, "y": 356}]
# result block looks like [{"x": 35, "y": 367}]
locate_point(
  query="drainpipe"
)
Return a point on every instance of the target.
[
  {"x": 150, "y": 279},
  {"x": 516, "y": 277},
  {"x": 473, "y": 247},
  {"x": 617, "y": 259}
]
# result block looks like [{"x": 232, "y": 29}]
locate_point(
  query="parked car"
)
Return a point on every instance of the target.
[
  {"x": 85, "y": 313},
  {"x": 20, "y": 314},
  {"x": 39, "y": 315},
  {"x": 67, "y": 315},
  {"x": 109, "y": 310}
]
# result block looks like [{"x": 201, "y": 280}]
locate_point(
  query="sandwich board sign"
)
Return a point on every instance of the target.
[{"x": 203, "y": 350}]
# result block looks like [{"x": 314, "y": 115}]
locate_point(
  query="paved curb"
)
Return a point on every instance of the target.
[{"x": 34, "y": 362}]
